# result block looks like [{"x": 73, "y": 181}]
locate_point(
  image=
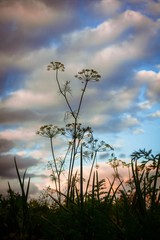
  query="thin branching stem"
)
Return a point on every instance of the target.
[
  {"x": 64, "y": 95},
  {"x": 81, "y": 98}
]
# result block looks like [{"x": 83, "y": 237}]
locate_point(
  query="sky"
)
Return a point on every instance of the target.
[{"x": 119, "y": 39}]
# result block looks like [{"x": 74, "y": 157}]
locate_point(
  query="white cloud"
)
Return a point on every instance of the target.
[
  {"x": 26, "y": 99},
  {"x": 121, "y": 99},
  {"x": 115, "y": 56},
  {"x": 110, "y": 30},
  {"x": 111, "y": 45},
  {"x": 145, "y": 105},
  {"x": 155, "y": 114},
  {"x": 146, "y": 76},
  {"x": 97, "y": 120},
  {"x": 20, "y": 134},
  {"x": 28, "y": 61},
  {"x": 138, "y": 131},
  {"x": 152, "y": 79},
  {"x": 129, "y": 121}
]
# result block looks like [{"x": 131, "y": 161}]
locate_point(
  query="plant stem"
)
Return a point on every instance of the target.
[
  {"x": 91, "y": 170},
  {"x": 64, "y": 95},
  {"x": 81, "y": 176},
  {"x": 81, "y": 98},
  {"x": 57, "y": 185}
]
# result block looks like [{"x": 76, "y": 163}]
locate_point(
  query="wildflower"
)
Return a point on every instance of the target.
[
  {"x": 95, "y": 145},
  {"x": 88, "y": 75},
  {"x": 56, "y": 66},
  {"x": 50, "y": 131},
  {"x": 77, "y": 131}
]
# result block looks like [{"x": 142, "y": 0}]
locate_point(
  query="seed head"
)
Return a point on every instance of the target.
[
  {"x": 50, "y": 131},
  {"x": 88, "y": 75},
  {"x": 56, "y": 66}
]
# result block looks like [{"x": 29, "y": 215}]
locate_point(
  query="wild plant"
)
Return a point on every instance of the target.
[{"x": 81, "y": 142}]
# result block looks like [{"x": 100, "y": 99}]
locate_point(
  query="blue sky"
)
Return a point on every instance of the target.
[{"x": 119, "y": 39}]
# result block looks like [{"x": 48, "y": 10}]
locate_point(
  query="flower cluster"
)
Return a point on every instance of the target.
[
  {"x": 97, "y": 146},
  {"x": 87, "y": 75},
  {"x": 56, "y": 66},
  {"x": 50, "y": 131},
  {"x": 77, "y": 131}
]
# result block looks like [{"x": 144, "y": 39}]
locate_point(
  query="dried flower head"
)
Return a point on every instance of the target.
[
  {"x": 80, "y": 133},
  {"x": 88, "y": 75},
  {"x": 98, "y": 146},
  {"x": 56, "y": 66},
  {"x": 50, "y": 131}
]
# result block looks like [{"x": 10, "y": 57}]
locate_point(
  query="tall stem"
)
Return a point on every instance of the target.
[
  {"x": 81, "y": 177},
  {"x": 75, "y": 131},
  {"x": 82, "y": 95},
  {"x": 57, "y": 177},
  {"x": 75, "y": 146},
  {"x": 91, "y": 170}
]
